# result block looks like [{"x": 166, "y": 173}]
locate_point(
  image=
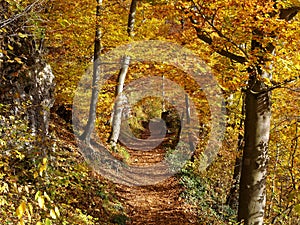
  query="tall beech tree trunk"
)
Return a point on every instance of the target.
[
  {"x": 252, "y": 195},
  {"x": 86, "y": 136}
]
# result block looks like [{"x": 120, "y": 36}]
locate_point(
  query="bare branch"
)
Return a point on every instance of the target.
[
  {"x": 285, "y": 82},
  {"x": 19, "y": 15}
]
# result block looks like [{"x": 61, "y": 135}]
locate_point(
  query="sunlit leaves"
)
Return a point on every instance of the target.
[
  {"x": 43, "y": 166},
  {"x": 69, "y": 36},
  {"x": 230, "y": 24},
  {"x": 48, "y": 221},
  {"x": 21, "y": 209},
  {"x": 41, "y": 202},
  {"x": 297, "y": 209},
  {"x": 22, "y": 35},
  {"x": 10, "y": 47}
]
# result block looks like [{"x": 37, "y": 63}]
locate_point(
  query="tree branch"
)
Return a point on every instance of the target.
[
  {"x": 288, "y": 13},
  {"x": 211, "y": 24},
  {"x": 17, "y": 16},
  {"x": 285, "y": 82},
  {"x": 207, "y": 39}
]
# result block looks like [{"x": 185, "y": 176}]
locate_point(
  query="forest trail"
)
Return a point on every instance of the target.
[
  {"x": 156, "y": 204},
  {"x": 160, "y": 203}
]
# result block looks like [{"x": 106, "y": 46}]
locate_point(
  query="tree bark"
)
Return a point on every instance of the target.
[
  {"x": 131, "y": 18},
  {"x": 252, "y": 195},
  {"x": 120, "y": 102},
  {"x": 188, "y": 121},
  {"x": 233, "y": 196},
  {"x": 86, "y": 136}
]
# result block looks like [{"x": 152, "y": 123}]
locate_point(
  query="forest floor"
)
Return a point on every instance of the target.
[
  {"x": 155, "y": 204},
  {"x": 160, "y": 203}
]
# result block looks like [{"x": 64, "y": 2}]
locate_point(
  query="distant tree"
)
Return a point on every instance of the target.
[
  {"x": 121, "y": 100},
  {"x": 131, "y": 18},
  {"x": 120, "y": 103},
  {"x": 86, "y": 136}
]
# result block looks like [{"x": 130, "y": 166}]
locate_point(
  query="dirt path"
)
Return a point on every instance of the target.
[
  {"x": 155, "y": 204},
  {"x": 159, "y": 204}
]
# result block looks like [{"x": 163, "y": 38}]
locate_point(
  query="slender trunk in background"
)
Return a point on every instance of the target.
[
  {"x": 233, "y": 196},
  {"x": 86, "y": 136},
  {"x": 121, "y": 100},
  {"x": 119, "y": 104},
  {"x": 131, "y": 18},
  {"x": 163, "y": 106},
  {"x": 188, "y": 121}
]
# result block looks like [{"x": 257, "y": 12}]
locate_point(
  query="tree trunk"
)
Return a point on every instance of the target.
[
  {"x": 120, "y": 102},
  {"x": 131, "y": 18},
  {"x": 27, "y": 87},
  {"x": 252, "y": 195},
  {"x": 233, "y": 196},
  {"x": 86, "y": 136},
  {"x": 188, "y": 121}
]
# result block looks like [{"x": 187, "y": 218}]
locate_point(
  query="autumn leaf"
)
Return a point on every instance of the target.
[
  {"x": 21, "y": 209},
  {"x": 10, "y": 47},
  {"x": 52, "y": 214},
  {"x": 41, "y": 202},
  {"x": 18, "y": 60},
  {"x": 21, "y": 222},
  {"x": 43, "y": 167},
  {"x": 57, "y": 211},
  {"x": 267, "y": 81},
  {"x": 297, "y": 209},
  {"x": 48, "y": 221},
  {"x": 21, "y": 35}
]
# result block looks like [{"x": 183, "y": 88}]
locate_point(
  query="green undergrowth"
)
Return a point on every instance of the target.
[
  {"x": 46, "y": 181},
  {"x": 199, "y": 192}
]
